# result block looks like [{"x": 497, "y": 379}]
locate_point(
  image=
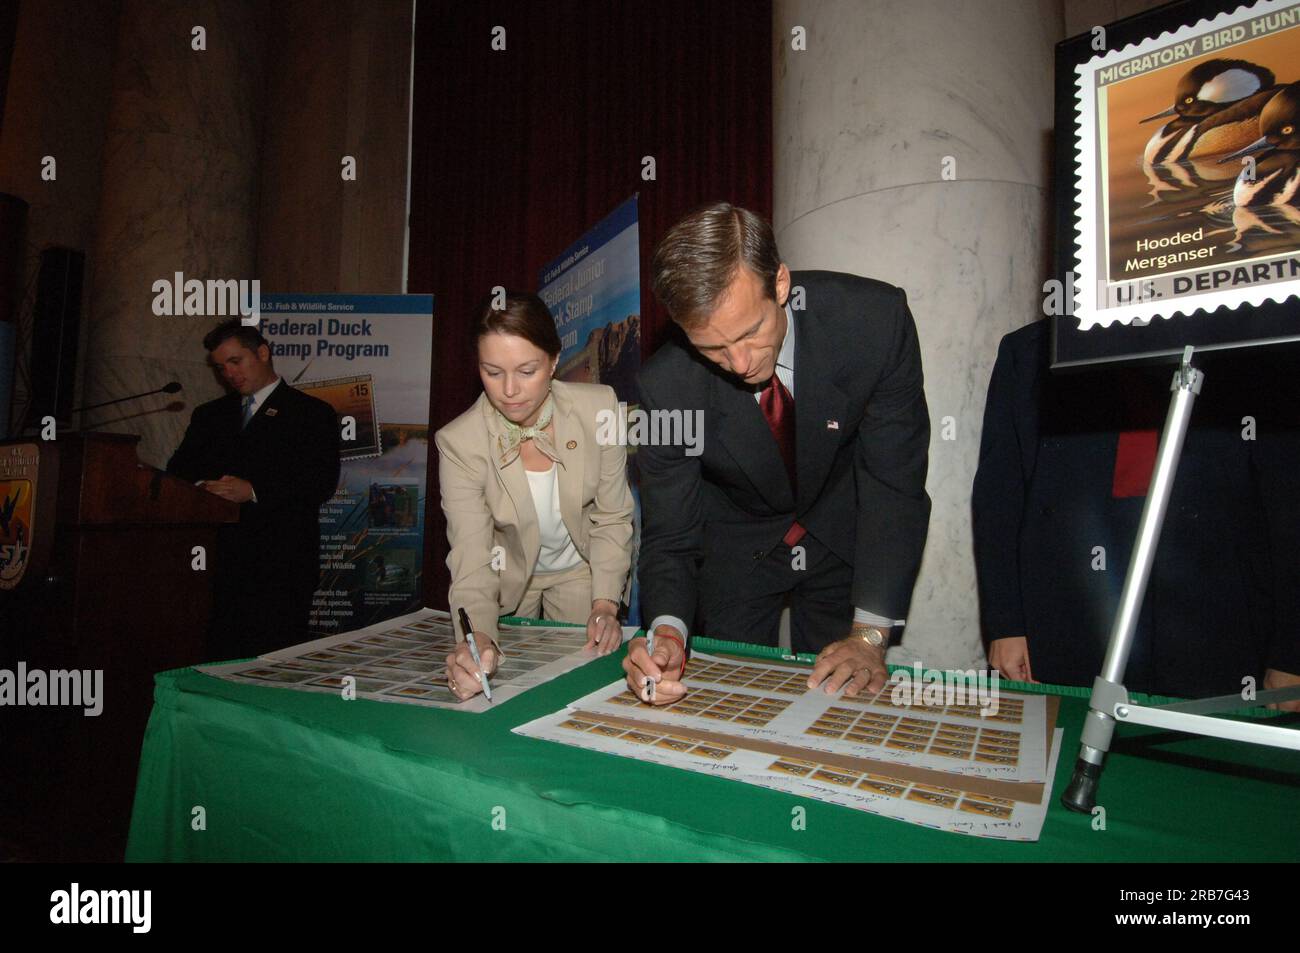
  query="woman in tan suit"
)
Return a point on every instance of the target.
[{"x": 539, "y": 513}]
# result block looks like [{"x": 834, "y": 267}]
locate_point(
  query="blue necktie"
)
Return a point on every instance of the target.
[{"x": 248, "y": 411}]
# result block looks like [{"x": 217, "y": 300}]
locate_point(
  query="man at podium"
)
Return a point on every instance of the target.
[{"x": 275, "y": 452}]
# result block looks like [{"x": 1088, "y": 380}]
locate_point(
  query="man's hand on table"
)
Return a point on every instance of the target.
[
  {"x": 1274, "y": 678},
  {"x": 1010, "y": 656},
  {"x": 851, "y": 664},
  {"x": 463, "y": 675},
  {"x": 664, "y": 667}
]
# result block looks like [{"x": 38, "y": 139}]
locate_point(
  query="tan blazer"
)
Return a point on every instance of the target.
[{"x": 488, "y": 505}]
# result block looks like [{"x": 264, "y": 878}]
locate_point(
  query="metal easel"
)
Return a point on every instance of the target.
[{"x": 1110, "y": 703}]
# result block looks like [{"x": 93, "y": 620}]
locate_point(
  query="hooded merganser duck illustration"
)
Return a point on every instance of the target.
[
  {"x": 1276, "y": 178},
  {"x": 1171, "y": 179},
  {"x": 1216, "y": 110}
]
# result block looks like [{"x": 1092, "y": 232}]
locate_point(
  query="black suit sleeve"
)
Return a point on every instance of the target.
[
  {"x": 998, "y": 501},
  {"x": 307, "y": 471},
  {"x": 1278, "y": 462},
  {"x": 893, "y": 451},
  {"x": 188, "y": 460},
  {"x": 672, "y": 529}
]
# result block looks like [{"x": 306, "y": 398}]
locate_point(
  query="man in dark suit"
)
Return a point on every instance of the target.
[
  {"x": 1065, "y": 465},
  {"x": 275, "y": 452},
  {"x": 809, "y": 483}
]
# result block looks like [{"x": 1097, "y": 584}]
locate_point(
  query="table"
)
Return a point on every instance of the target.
[{"x": 282, "y": 775}]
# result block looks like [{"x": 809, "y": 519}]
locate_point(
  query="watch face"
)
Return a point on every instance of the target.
[{"x": 873, "y": 637}]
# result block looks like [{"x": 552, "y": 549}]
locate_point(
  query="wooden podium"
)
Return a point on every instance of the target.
[{"x": 97, "y": 574}]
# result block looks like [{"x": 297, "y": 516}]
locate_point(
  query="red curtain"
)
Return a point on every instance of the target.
[{"x": 515, "y": 153}]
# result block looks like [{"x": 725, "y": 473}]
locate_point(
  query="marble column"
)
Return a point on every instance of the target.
[
  {"x": 912, "y": 145},
  {"x": 338, "y": 85},
  {"x": 179, "y": 194}
]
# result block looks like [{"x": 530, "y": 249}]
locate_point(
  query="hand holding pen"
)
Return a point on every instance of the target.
[
  {"x": 469, "y": 667},
  {"x": 654, "y": 666}
]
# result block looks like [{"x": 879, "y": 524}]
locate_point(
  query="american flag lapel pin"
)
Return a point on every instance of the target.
[
  {"x": 832, "y": 425},
  {"x": 271, "y": 412}
]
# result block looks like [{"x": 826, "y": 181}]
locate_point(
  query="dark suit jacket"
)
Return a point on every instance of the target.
[
  {"x": 289, "y": 452},
  {"x": 1043, "y": 500},
  {"x": 862, "y": 444}
]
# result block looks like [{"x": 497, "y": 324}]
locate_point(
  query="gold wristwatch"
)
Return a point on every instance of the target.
[{"x": 873, "y": 635}]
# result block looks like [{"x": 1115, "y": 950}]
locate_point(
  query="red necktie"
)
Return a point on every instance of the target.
[{"x": 777, "y": 405}]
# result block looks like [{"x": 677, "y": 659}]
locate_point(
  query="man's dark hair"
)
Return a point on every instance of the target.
[
  {"x": 246, "y": 334},
  {"x": 699, "y": 257},
  {"x": 525, "y": 315}
]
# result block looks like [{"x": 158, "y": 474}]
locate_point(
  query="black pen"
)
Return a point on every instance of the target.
[{"x": 473, "y": 650}]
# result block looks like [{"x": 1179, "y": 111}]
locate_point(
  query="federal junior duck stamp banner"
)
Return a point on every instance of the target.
[{"x": 1186, "y": 156}]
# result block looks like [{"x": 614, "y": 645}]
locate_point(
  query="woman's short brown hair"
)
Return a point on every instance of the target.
[
  {"x": 525, "y": 315},
  {"x": 698, "y": 259}
]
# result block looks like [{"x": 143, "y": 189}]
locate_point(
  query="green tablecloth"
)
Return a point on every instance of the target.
[{"x": 282, "y": 775}]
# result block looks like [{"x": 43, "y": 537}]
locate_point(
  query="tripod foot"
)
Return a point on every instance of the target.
[{"x": 1081, "y": 795}]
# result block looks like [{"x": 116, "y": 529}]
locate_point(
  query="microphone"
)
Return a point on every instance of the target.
[{"x": 169, "y": 388}]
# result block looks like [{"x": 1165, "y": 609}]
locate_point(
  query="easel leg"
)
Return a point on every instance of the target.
[{"x": 1108, "y": 690}]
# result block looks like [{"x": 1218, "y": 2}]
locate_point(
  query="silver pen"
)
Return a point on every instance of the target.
[{"x": 649, "y": 684}]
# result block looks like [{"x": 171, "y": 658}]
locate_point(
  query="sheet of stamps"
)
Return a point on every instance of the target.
[
  {"x": 404, "y": 660},
  {"x": 943, "y": 766},
  {"x": 768, "y": 702}
]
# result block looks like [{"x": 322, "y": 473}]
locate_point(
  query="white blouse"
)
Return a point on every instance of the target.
[{"x": 557, "y": 552}]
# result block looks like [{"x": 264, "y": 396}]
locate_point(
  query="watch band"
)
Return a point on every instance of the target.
[{"x": 873, "y": 635}]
